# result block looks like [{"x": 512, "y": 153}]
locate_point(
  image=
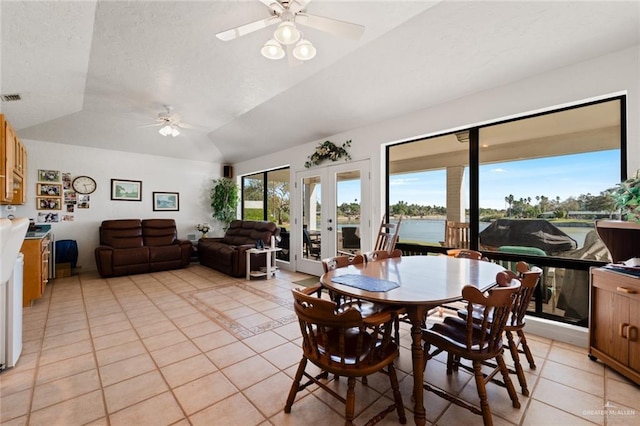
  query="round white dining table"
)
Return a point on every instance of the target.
[{"x": 423, "y": 283}]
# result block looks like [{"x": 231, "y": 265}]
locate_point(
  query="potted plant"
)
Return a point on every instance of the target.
[
  {"x": 627, "y": 197},
  {"x": 224, "y": 200}
]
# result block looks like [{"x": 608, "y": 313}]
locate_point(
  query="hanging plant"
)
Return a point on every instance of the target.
[
  {"x": 627, "y": 197},
  {"x": 327, "y": 150},
  {"x": 224, "y": 200}
]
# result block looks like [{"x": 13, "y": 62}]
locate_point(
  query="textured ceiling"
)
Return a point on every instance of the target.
[{"x": 92, "y": 73}]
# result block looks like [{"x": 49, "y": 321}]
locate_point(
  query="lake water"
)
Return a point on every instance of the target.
[{"x": 432, "y": 231}]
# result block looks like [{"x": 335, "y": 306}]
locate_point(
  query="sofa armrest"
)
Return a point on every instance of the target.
[
  {"x": 186, "y": 248},
  {"x": 104, "y": 262}
]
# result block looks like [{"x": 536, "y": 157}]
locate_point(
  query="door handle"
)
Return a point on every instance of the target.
[
  {"x": 330, "y": 228},
  {"x": 622, "y": 331}
]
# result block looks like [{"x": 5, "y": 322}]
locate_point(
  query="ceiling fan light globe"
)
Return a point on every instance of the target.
[
  {"x": 272, "y": 50},
  {"x": 174, "y": 132},
  {"x": 304, "y": 50},
  {"x": 286, "y": 33},
  {"x": 165, "y": 130}
]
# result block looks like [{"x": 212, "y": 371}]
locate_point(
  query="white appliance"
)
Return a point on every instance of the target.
[
  {"x": 12, "y": 234},
  {"x": 13, "y": 325}
]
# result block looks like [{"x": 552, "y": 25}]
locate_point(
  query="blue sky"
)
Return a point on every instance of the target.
[{"x": 564, "y": 176}]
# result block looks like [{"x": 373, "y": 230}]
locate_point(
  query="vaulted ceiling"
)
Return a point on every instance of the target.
[{"x": 94, "y": 73}]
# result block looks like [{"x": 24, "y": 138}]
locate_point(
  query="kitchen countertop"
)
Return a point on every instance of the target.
[
  {"x": 37, "y": 235},
  {"x": 37, "y": 232}
]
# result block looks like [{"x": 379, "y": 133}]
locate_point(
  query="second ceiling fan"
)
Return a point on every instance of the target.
[{"x": 287, "y": 14}]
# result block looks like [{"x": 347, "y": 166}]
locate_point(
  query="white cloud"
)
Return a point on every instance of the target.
[{"x": 402, "y": 181}]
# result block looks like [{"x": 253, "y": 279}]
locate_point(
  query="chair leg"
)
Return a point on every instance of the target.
[
  {"x": 450, "y": 361},
  {"x": 397, "y": 397},
  {"x": 351, "y": 401},
  {"x": 526, "y": 350},
  {"x": 396, "y": 327},
  {"x": 516, "y": 363},
  {"x": 295, "y": 385},
  {"x": 482, "y": 393},
  {"x": 507, "y": 381}
]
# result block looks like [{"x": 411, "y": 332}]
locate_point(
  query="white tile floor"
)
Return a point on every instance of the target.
[{"x": 194, "y": 346}]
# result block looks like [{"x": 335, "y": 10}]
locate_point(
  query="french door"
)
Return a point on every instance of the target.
[{"x": 333, "y": 215}]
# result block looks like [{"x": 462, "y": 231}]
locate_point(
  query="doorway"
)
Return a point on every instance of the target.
[{"x": 334, "y": 213}]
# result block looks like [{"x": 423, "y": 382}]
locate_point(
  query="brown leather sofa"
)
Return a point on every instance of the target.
[
  {"x": 228, "y": 254},
  {"x": 134, "y": 246}
]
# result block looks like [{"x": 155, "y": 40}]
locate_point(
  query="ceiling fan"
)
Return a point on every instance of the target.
[
  {"x": 170, "y": 122},
  {"x": 288, "y": 13}
]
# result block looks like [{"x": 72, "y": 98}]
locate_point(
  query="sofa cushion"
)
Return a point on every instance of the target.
[
  {"x": 159, "y": 232},
  {"x": 121, "y": 234},
  {"x": 165, "y": 253},
  {"x": 131, "y": 256}
]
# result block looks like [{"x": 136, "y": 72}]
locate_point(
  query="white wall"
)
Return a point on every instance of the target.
[
  {"x": 614, "y": 73},
  {"x": 191, "y": 179}
]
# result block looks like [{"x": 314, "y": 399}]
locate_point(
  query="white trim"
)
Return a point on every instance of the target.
[{"x": 567, "y": 333}]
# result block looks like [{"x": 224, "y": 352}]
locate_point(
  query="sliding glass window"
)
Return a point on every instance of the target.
[
  {"x": 538, "y": 184},
  {"x": 265, "y": 196}
]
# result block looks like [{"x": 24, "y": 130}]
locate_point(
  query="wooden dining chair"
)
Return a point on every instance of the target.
[
  {"x": 516, "y": 321},
  {"x": 366, "y": 308},
  {"x": 387, "y": 235},
  {"x": 476, "y": 341},
  {"x": 456, "y": 235},
  {"x": 347, "y": 345},
  {"x": 372, "y": 256},
  {"x": 335, "y": 262}
]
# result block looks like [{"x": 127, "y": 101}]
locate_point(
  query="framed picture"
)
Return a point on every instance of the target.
[
  {"x": 48, "y": 217},
  {"x": 166, "y": 201},
  {"x": 49, "y": 203},
  {"x": 126, "y": 190},
  {"x": 49, "y": 175},
  {"x": 49, "y": 190}
]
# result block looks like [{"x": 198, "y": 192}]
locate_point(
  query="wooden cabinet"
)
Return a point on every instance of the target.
[
  {"x": 614, "y": 320},
  {"x": 13, "y": 165},
  {"x": 37, "y": 255}
]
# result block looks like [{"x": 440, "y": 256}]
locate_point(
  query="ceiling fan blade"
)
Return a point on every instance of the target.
[
  {"x": 331, "y": 26},
  {"x": 187, "y": 126},
  {"x": 150, "y": 125},
  {"x": 234, "y": 33},
  {"x": 296, "y": 6},
  {"x": 273, "y": 5}
]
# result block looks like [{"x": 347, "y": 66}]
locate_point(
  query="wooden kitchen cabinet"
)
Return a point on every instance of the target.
[
  {"x": 13, "y": 165},
  {"x": 37, "y": 255},
  {"x": 614, "y": 320}
]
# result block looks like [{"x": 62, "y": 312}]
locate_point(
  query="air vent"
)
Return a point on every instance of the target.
[{"x": 14, "y": 97}]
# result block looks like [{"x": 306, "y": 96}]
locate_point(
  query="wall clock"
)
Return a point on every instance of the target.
[{"x": 84, "y": 185}]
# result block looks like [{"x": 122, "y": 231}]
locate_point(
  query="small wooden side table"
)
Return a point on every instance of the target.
[{"x": 270, "y": 269}]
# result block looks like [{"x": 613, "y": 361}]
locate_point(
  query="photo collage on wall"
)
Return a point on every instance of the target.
[{"x": 55, "y": 197}]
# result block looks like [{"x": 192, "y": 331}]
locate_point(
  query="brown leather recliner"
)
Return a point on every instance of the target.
[
  {"x": 134, "y": 246},
  {"x": 228, "y": 254}
]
